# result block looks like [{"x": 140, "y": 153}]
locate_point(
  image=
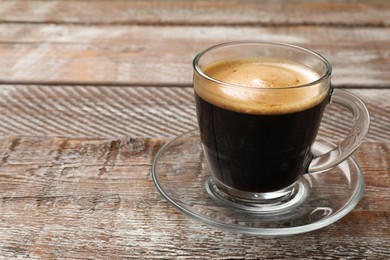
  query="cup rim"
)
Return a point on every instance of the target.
[{"x": 199, "y": 71}]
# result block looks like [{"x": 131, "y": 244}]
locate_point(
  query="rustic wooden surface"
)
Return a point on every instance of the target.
[{"x": 90, "y": 90}]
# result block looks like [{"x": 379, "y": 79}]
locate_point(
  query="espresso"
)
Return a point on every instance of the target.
[{"x": 257, "y": 138}]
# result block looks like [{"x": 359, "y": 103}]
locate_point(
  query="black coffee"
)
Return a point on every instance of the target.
[{"x": 252, "y": 145}]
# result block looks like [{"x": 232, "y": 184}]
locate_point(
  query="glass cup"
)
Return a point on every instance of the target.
[{"x": 259, "y": 106}]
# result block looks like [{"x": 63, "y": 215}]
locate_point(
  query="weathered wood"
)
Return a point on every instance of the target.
[
  {"x": 172, "y": 12},
  {"x": 107, "y": 112},
  {"x": 94, "y": 198},
  {"x": 92, "y": 89},
  {"x": 162, "y": 55}
]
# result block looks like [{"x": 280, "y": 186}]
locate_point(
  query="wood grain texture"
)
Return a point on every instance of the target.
[
  {"x": 158, "y": 112},
  {"x": 88, "y": 111},
  {"x": 75, "y": 198},
  {"x": 172, "y": 12},
  {"x": 162, "y": 55},
  {"x": 91, "y": 90}
]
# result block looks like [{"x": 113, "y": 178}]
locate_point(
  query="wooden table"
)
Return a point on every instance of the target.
[{"x": 90, "y": 90}]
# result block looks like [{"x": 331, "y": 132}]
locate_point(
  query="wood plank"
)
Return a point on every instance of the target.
[
  {"x": 173, "y": 12},
  {"x": 88, "y": 111},
  {"x": 130, "y": 55},
  {"x": 106, "y": 112},
  {"x": 56, "y": 203}
]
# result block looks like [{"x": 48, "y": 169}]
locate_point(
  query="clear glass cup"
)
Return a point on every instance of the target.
[{"x": 258, "y": 139}]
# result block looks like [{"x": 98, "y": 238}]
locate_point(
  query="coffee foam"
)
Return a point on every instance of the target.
[{"x": 259, "y": 86}]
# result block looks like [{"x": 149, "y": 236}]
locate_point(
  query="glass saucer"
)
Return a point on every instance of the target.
[{"x": 181, "y": 174}]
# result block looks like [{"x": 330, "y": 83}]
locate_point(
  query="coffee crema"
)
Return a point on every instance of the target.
[{"x": 258, "y": 85}]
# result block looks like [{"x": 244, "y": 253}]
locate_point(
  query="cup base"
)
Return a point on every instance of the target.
[{"x": 267, "y": 203}]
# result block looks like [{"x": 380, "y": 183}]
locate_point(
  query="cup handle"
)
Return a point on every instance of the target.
[{"x": 360, "y": 126}]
